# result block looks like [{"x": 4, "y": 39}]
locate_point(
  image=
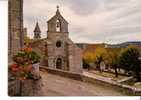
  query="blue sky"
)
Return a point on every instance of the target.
[{"x": 90, "y": 21}]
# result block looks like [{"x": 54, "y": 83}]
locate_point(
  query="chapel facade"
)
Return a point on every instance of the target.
[{"x": 62, "y": 53}]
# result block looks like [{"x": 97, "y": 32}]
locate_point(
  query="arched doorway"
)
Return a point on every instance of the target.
[{"x": 59, "y": 63}]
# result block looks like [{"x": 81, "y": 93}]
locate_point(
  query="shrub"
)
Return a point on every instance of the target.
[{"x": 22, "y": 68}]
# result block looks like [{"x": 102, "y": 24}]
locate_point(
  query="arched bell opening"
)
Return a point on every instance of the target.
[{"x": 58, "y": 25}]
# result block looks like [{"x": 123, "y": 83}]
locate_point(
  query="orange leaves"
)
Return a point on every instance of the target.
[
  {"x": 89, "y": 56},
  {"x": 27, "y": 49}
]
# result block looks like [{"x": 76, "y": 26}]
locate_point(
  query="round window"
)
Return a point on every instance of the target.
[{"x": 58, "y": 44}]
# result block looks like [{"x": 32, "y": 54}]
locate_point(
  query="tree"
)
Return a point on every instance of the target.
[
  {"x": 114, "y": 59},
  {"x": 100, "y": 56},
  {"x": 129, "y": 61},
  {"x": 87, "y": 59},
  {"x": 85, "y": 64},
  {"x": 27, "y": 40}
]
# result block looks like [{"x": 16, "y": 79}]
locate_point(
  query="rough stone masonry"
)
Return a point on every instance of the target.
[{"x": 15, "y": 26}]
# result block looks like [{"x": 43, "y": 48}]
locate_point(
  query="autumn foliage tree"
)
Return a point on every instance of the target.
[
  {"x": 113, "y": 59},
  {"x": 27, "y": 40},
  {"x": 100, "y": 56},
  {"x": 87, "y": 59}
]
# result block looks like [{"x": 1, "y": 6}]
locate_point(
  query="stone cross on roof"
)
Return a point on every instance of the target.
[
  {"x": 57, "y": 12},
  {"x": 57, "y": 7}
]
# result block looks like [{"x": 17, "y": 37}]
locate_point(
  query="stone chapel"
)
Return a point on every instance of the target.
[{"x": 62, "y": 53}]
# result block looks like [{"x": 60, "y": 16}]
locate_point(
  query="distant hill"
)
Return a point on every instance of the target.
[
  {"x": 125, "y": 44},
  {"x": 90, "y": 45},
  {"x": 121, "y": 45}
]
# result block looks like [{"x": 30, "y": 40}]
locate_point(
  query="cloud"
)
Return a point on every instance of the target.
[
  {"x": 79, "y": 7},
  {"x": 92, "y": 20}
]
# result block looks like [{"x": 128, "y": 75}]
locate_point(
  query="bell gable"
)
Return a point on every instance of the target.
[{"x": 57, "y": 23}]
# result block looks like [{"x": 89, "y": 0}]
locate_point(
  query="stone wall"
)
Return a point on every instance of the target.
[
  {"x": 75, "y": 58},
  {"x": 26, "y": 87},
  {"x": 15, "y": 26},
  {"x": 13, "y": 88},
  {"x": 126, "y": 89}
]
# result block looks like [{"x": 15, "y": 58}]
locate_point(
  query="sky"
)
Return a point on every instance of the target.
[{"x": 90, "y": 21}]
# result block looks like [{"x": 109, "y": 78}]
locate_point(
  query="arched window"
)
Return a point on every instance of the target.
[
  {"x": 58, "y": 26},
  {"x": 59, "y": 63},
  {"x": 58, "y": 44}
]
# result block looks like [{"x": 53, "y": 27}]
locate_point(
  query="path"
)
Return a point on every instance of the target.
[{"x": 54, "y": 85}]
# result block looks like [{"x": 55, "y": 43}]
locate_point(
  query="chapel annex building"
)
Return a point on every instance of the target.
[{"x": 62, "y": 53}]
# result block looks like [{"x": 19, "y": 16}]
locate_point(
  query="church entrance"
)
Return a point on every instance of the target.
[{"x": 59, "y": 63}]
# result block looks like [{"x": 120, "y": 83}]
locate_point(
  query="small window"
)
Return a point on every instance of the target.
[{"x": 58, "y": 44}]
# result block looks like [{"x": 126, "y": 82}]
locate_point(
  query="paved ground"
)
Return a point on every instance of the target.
[
  {"x": 106, "y": 75},
  {"x": 54, "y": 85}
]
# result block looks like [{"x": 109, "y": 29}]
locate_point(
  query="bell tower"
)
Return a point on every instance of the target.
[
  {"x": 57, "y": 36},
  {"x": 37, "y": 32}
]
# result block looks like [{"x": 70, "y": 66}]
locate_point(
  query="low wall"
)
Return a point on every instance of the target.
[
  {"x": 64, "y": 73},
  {"x": 125, "y": 89}
]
